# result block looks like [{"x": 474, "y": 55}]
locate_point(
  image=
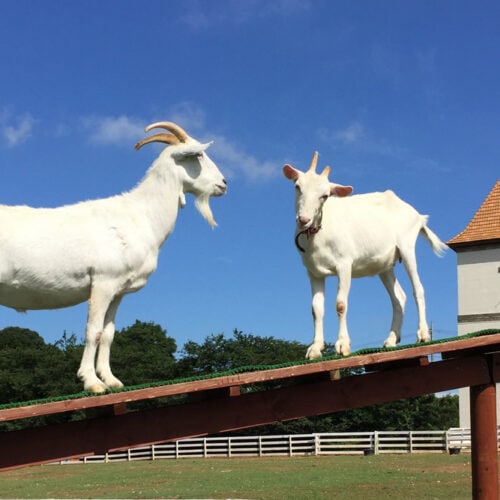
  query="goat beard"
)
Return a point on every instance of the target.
[{"x": 201, "y": 203}]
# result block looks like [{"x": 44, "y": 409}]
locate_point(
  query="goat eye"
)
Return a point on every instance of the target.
[
  {"x": 199, "y": 155},
  {"x": 297, "y": 188},
  {"x": 324, "y": 197}
]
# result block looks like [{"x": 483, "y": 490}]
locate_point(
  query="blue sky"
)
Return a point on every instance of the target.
[{"x": 394, "y": 95}]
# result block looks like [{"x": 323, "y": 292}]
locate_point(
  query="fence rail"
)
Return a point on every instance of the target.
[{"x": 336, "y": 443}]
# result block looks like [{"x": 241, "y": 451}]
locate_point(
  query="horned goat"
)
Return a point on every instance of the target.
[
  {"x": 100, "y": 250},
  {"x": 362, "y": 235}
]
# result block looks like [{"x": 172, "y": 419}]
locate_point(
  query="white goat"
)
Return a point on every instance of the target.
[
  {"x": 362, "y": 235},
  {"x": 100, "y": 250}
]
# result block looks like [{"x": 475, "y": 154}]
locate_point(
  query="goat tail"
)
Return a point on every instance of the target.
[{"x": 438, "y": 247}]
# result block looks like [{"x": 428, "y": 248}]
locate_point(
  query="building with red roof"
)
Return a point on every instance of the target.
[{"x": 478, "y": 276}]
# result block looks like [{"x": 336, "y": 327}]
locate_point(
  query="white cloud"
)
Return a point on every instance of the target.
[
  {"x": 234, "y": 161},
  {"x": 354, "y": 137},
  {"x": 287, "y": 7},
  {"x": 194, "y": 17},
  {"x": 118, "y": 130},
  {"x": 351, "y": 134},
  {"x": 231, "y": 158},
  {"x": 16, "y": 130},
  {"x": 188, "y": 116},
  {"x": 113, "y": 129},
  {"x": 201, "y": 15},
  {"x": 357, "y": 140}
]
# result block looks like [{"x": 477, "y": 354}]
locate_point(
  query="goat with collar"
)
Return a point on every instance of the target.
[{"x": 355, "y": 236}]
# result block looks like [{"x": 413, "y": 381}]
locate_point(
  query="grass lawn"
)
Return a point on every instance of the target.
[{"x": 339, "y": 477}]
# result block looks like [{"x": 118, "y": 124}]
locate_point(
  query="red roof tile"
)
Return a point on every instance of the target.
[{"x": 485, "y": 225}]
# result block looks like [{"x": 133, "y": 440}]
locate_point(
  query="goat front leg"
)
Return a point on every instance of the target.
[
  {"x": 318, "y": 312},
  {"x": 103, "y": 365},
  {"x": 99, "y": 302},
  {"x": 343, "y": 344}
]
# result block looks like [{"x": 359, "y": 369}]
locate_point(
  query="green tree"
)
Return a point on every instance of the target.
[
  {"x": 72, "y": 351},
  {"x": 143, "y": 353},
  {"x": 29, "y": 368},
  {"x": 218, "y": 353}
]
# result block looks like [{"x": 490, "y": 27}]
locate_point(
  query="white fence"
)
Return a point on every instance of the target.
[{"x": 337, "y": 443}]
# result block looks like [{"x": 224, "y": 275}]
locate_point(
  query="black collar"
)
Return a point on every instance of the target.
[{"x": 308, "y": 232}]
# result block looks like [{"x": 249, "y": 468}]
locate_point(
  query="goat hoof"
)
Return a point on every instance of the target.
[
  {"x": 313, "y": 353},
  {"x": 111, "y": 382},
  {"x": 423, "y": 336},
  {"x": 116, "y": 384},
  {"x": 96, "y": 388},
  {"x": 392, "y": 340},
  {"x": 342, "y": 349}
]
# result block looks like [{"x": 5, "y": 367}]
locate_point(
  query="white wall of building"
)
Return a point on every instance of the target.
[
  {"x": 479, "y": 282},
  {"x": 478, "y": 294}
]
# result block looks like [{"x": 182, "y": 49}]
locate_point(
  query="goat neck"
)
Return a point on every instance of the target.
[{"x": 158, "y": 197}]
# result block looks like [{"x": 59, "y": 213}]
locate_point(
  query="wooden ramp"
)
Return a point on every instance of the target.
[{"x": 233, "y": 402}]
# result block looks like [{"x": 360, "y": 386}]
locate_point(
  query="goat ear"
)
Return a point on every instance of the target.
[
  {"x": 339, "y": 190},
  {"x": 290, "y": 173},
  {"x": 184, "y": 150}
]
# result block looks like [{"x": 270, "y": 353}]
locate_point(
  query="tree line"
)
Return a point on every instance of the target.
[{"x": 143, "y": 353}]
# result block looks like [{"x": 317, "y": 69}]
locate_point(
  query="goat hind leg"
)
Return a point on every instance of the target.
[
  {"x": 102, "y": 365},
  {"x": 410, "y": 263},
  {"x": 398, "y": 300}
]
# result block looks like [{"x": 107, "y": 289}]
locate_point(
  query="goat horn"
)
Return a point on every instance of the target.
[
  {"x": 314, "y": 162},
  {"x": 178, "y": 131},
  {"x": 326, "y": 171},
  {"x": 166, "y": 138}
]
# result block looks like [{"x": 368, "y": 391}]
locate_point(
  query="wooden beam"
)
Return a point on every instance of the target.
[
  {"x": 420, "y": 361},
  {"x": 486, "y": 343},
  {"x": 229, "y": 413}
]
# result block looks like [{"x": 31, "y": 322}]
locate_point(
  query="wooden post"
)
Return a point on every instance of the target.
[{"x": 483, "y": 410}]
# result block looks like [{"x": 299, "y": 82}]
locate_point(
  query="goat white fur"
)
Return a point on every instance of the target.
[
  {"x": 363, "y": 235},
  {"x": 100, "y": 250}
]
